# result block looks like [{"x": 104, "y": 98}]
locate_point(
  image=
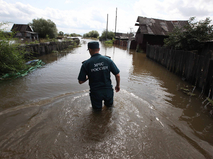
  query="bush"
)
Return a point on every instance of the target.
[
  {"x": 75, "y": 35},
  {"x": 107, "y": 35},
  {"x": 192, "y": 36},
  {"x": 11, "y": 56},
  {"x": 91, "y": 34}
]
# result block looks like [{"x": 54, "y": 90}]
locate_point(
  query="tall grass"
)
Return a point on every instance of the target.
[{"x": 11, "y": 56}]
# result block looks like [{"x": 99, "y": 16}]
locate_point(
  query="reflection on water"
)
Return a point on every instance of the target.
[
  {"x": 47, "y": 114},
  {"x": 97, "y": 126}
]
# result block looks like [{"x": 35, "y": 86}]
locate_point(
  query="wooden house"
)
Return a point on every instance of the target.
[
  {"x": 122, "y": 39},
  {"x": 154, "y": 31},
  {"x": 24, "y": 31}
]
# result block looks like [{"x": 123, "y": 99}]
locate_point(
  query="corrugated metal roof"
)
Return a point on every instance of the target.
[{"x": 158, "y": 26}]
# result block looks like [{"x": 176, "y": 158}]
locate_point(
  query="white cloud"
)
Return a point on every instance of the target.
[
  {"x": 70, "y": 20},
  {"x": 85, "y": 20},
  {"x": 93, "y": 17},
  {"x": 68, "y": 1},
  {"x": 174, "y": 9}
]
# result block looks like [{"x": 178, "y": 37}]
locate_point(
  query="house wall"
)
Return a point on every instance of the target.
[
  {"x": 154, "y": 39},
  {"x": 26, "y": 35},
  {"x": 139, "y": 38},
  {"x": 144, "y": 39},
  {"x": 133, "y": 44}
]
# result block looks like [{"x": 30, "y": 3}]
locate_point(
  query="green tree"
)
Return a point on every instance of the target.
[
  {"x": 107, "y": 35},
  {"x": 66, "y": 35},
  {"x": 192, "y": 36},
  {"x": 86, "y": 35},
  {"x": 91, "y": 34},
  {"x": 61, "y": 33},
  {"x": 45, "y": 28}
]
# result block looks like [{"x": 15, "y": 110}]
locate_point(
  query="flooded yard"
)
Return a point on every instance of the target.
[{"x": 47, "y": 114}]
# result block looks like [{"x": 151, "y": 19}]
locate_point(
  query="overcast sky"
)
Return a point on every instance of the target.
[{"x": 82, "y": 16}]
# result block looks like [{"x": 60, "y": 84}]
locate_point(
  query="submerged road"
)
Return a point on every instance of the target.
[{"x": 47, "y": 114}]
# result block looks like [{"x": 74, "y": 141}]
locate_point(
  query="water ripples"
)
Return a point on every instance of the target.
[{"x": 67, "y": 127}]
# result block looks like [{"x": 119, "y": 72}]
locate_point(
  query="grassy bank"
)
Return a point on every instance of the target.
[
  {"x": 11, "y": 56},
  {"x": 109, "y": 42}
]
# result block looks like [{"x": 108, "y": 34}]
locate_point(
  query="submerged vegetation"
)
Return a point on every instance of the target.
[
  {"x": 12, "y": 58},
  {"x": 30, "y": 66},
  {"x": 109, "y": 42},
  {"x": 74, "y": 45}
]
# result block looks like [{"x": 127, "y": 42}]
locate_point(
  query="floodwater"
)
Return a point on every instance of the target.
[{"x": 47, "y": 114}]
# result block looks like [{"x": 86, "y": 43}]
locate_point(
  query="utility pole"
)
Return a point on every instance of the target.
[
  {"x": 107, "y": 27},
  {"x": 115, "y": 20}
]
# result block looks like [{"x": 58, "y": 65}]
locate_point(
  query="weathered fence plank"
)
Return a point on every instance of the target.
[{"x": 189, "y": 65}]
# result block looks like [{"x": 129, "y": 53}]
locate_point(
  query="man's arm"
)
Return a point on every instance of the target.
[
  {"x": 117, "y": 87},
  {"x": 80, "y": 82},
  {"x": 82, "y": 77}
]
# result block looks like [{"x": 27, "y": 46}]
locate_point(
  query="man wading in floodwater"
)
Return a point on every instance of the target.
[{"x": 97, "y": 69}]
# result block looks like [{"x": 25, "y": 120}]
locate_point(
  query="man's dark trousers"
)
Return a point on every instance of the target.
[{"x": 98, "y": 96}]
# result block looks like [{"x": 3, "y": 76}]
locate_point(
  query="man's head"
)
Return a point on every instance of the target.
[{"x": 93, "y": 47}]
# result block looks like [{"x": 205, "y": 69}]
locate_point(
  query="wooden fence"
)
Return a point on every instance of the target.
[
  {"x": 46, "y": 48},
  {"x": 194, "y": 68},
  {"x": 121, "y": 42}
]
